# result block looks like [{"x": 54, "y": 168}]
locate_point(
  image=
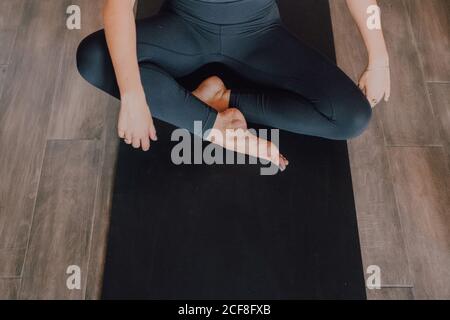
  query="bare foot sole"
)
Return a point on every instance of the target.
[{"x": 230, "y": 131}]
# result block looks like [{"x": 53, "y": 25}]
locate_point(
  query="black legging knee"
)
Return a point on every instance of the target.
[{"x": 310, "y": 95}]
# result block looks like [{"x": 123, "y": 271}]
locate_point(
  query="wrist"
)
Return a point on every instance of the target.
[
  {"x": 132, "y": 94},
  {"x": 379, "y": 61}
]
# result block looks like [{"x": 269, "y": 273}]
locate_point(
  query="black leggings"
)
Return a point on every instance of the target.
[{"x": 310, "y": 95}]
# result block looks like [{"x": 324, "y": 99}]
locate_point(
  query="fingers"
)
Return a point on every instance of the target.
[
  {"x": 145, "y": 142},
  {"x": 362, "y": 87},
  {"x": 376, "y": 86},
  {"x": 374, "y": 96},
  {"x": 137, "y": 138},
  {"x": 387, "y": 95},
  {"x": 136, "y": 142},
  {"x": 152, "y": 133},
  {"x": 128, "y": 138},
  {"x": 362, "y": 82},
  {"x": 135, "y": 123},
  {"x": 373, "y": 101},
  {"x": 121, "y": 133},
  {"x": 371, "y": 97}
]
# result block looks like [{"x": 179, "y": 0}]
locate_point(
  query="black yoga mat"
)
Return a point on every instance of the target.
[{"x": 225, "y": 231}]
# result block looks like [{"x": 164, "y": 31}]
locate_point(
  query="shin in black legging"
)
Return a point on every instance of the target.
[{"x": 310, "y": 94}]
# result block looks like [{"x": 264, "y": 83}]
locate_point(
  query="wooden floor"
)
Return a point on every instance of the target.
[{"x": 58, "y": 151}]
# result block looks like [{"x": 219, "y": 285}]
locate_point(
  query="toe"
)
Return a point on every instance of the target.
[
  {"x": 286, "y": 161},
  {"x": 282, "y": 164}
]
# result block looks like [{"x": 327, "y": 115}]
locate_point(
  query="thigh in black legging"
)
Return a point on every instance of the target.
[
  {"x": 167, "y": 48},
  {"x": 311, "y": 95}
]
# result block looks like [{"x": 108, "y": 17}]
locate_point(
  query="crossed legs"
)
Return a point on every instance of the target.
[{"x": 310, "y": 94}]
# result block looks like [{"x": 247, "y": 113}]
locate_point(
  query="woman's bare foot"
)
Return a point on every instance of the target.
[
  {"x": 231, "y": 127},
  {"x": 230, "y": 131},
  {"x": 214, "y": 93}
]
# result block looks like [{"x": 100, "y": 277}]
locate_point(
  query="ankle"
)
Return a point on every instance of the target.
[{"x": 225, "y": 96}]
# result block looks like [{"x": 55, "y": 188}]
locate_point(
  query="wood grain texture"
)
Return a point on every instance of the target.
[
  {"x": 409, "y": 244},
  {"x": 7, "y": 38},
  {"x": 11, "y": 261},
  {"x": 9, "y": 289},
  {"x": 430, "y": 22},
  {"x": 10, "y": 18},
  {"x": 421, "y": 184},
  {"x": 440, "y": 99},
  {"x": 379, "y": 225},
  {"x": 11, "y": 12},
  {"x": 78, "y": 109},
  {"x": 406, "y": 120},
  {"x": 3, "y": 69},
  {"x": 98, "y": 245},
  {"x": 380, "y": 228},
  {"x": 24, "y": 119},
  {"x": 62, "y": 221},
  {"x": 99, "y": 240}
]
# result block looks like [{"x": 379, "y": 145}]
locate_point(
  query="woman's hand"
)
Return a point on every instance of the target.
[
  {"x": 376, "y": 84},
  {"x": 376, "y": 80},
  {"x": 136, "y": 122}
]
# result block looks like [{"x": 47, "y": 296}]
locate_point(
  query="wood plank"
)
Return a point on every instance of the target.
[
  {"x": 406, "y": 119},
  {"x": 11, "y": 261},
  {"x": 23, "y": 120},
  {"x": 7, "y": 39},
  {"x": 3, "y": 69},
  {"x": 11, "y": 15},
  {"x": 97, "y": 252},
  {"x": 81, "y": 111},
  {"x": 24, "y": 117},
  {"x": 9, "y": 289},
  {"x": 79, "y": 108},
  {"x": 379, "y": 226},
  {"x": 440, "y": 99},
  {"x": 431, "y": 29},
  {"x": 421, "y": 184},
  {"x": 62, "y": 221},
  {"x": 380, "y": 229},
  {"x": 103, "y": 204}
]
